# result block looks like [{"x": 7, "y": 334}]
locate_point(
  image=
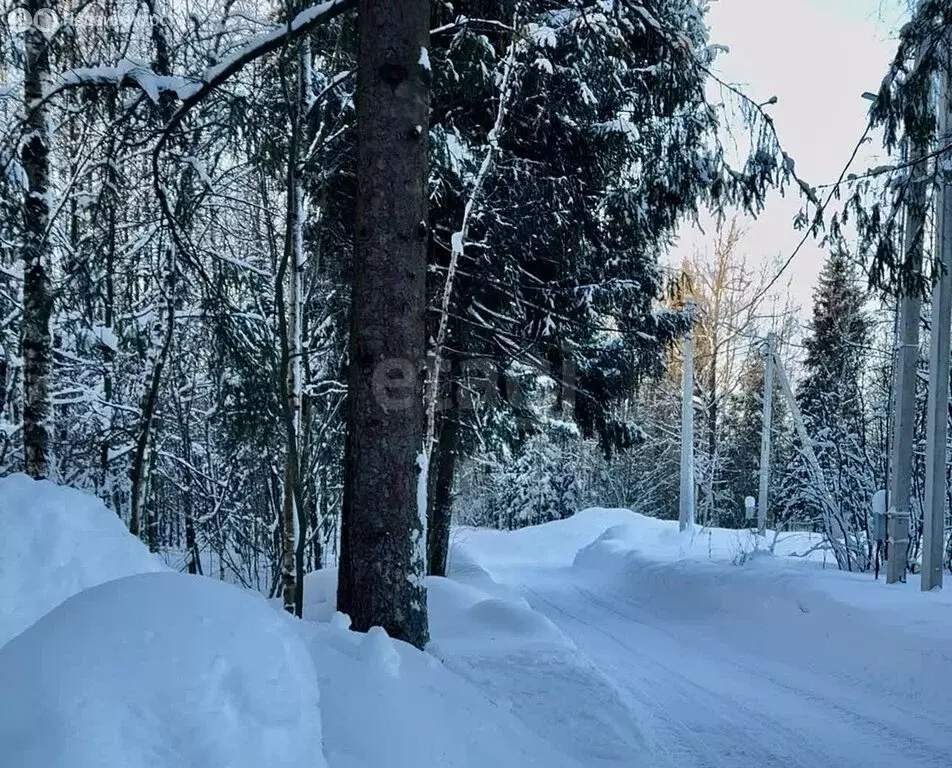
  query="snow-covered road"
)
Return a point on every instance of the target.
[
  {"x": 753, "y": 667},
  {"x": 607, "y": 640},
  {"x": 703, "y": 703}
]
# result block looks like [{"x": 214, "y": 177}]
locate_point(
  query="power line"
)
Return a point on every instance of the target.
[
  {"x": 834, "y": 190},
  {"x": 817, "y": 217}
]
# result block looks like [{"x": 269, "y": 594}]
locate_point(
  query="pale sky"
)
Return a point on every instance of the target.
[{"x": 817, "y": 57}]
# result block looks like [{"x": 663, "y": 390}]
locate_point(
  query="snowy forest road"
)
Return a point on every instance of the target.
[{"x": 710, "y": 688}]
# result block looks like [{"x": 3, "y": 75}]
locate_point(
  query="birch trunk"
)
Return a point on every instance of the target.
[
  {"x": 290, "y": 327},
  {"x": 37, "y": 289}
]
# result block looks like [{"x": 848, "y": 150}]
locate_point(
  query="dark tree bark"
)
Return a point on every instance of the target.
[
  {"x": 191, "y": 544},
  {"x": 382, "y": 561},
  {"x": 440, "y": 508},
  {"x": 164, "y": 327},
  {"x": 37, "y": 289}
]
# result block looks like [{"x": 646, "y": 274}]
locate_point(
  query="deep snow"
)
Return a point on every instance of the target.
[
  {"x": 421, "y": 712},
  {"x": 160, "y": 670},
  {"x": 609, "y": 639},
  {"x": 54, "y": 543},
  {"x": 125, "y": 669}
]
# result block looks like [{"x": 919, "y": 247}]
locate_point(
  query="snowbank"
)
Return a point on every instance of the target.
[
  {"x": 464, "y": 618},
  {"x": 525, "y": 663},
  {"x": 481, "y": 695},
  {"x": 57, "y": 542},
  {"x": 385, "y": 703},
  {"x": 160, "y": 670},
  {"x": 662, "y": 541},
  {"x": 553, "y": 544},
  {"x": 114, "y": 661},
  {"x": 716, "y": 565},
  {"x": 726, "y": 585}
]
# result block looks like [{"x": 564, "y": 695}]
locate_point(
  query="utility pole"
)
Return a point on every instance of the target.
[
  {"x": 686, "y": 515},
  {"x": 937, "y": 418},
  {"x": 907, "y": 358},
  {"x": 765, "y": 436}
]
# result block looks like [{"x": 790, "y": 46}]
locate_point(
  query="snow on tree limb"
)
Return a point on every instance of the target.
[
  {"x": 191, "y": 89},
  {"x": 260, "y": 46},
  {"x": 125, "y": 74}
]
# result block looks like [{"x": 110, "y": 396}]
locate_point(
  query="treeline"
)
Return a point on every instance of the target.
[{"x": 180, "y": 256}]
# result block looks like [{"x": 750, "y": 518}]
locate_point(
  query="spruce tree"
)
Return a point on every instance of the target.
[
  {"x": 742, "y": 435},
  {"x": 608, "y": 143},
  {"x": 830, "y": 397},
  {"x": 383, "y": 543}
]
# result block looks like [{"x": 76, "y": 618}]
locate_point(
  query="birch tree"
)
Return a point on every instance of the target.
[
  {"x": 37, "y": 255},
  {"x": 734, "y": 312}
]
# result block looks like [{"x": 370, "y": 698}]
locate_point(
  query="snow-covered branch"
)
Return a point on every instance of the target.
[
  {"x": 191, "y": 89},
  {"x": 458, "y": 241}
]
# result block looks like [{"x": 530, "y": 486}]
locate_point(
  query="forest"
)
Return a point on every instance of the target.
[
  {"x": 401, "y": 384},
  {"x": 296, "y": 286}
]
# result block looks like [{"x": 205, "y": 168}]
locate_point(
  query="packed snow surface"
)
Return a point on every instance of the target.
[
  {"x": 54, "y": 543},
  {"x": 729, "y": 655},
  {"x": 160, "y": 670}
]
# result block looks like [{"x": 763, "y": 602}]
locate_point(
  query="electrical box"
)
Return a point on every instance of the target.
[
  {"x": 879, "y": 527},
  {"x": 879, "y": 515}
]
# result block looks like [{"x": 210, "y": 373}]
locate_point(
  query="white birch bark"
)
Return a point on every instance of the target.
[{"x": 37, "y": 289}]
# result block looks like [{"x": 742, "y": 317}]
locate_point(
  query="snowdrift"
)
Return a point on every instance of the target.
[
  {"x": 662, "y": 541},
  {"x": 726, "y": 563},
  {"x": 528, "y": 667},
  {"x": 773, "y": 605},
  {"x": 493, "y": 661},
  {"x": 160, "y": 670},
  {"x": 385, "y": 703},
  {"x": 57, "y": 542},
  {"x": 500, "y": 642},
  {"x": 550, "y": 545},
  {"x": 422, "y": 714},
  {"x": 115, "y": 662}
]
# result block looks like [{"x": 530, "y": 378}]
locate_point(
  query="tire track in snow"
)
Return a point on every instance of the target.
[
  {"x": 708, "y": 705},
  {"x": 665, "y": 695}
]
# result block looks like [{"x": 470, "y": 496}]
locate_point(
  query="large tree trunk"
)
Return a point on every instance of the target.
[
  {"x": 383, "y": 544},
  {"x": 37, "y": 290}
]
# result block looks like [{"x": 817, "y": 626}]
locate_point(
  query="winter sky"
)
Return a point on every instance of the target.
[{"x": 817, "y": 57}]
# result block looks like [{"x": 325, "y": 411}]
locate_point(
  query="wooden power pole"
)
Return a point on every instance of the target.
[
  {"x": 686, "y": 512},
  {"x": 937, "y": 418},
  {"x": 765, "y": 436}
]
